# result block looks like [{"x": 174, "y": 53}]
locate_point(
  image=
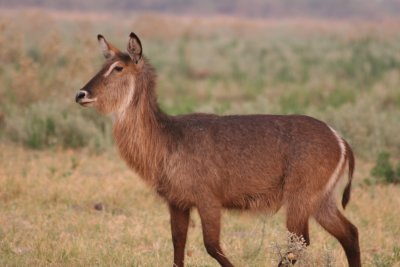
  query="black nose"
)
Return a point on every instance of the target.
[{"x": 80, "y": 95}]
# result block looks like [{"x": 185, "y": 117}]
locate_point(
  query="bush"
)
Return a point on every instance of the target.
[
  {"x": 383, "y": 169},
  {"x": 44, "y": 125},
  {"x": 290, "y": 251},
  {"x": 398, "y": 170},
  {"x": 40, "y": 131}
]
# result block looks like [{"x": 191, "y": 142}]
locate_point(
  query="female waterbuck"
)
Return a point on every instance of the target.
[{"x": 211, "y": 162}]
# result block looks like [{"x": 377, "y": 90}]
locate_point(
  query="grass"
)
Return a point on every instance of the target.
[
  {"x": 344, "y": 73},
  {"x": 66, "y": 199},
  {"x": 48, "y": 218}
]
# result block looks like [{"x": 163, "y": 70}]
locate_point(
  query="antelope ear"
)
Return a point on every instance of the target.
[
  {"x": 109, "y": 51},
  {"x": 134, "y": 47}
]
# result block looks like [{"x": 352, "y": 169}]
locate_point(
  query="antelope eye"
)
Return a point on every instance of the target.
[{"x": 119, "y": 68}]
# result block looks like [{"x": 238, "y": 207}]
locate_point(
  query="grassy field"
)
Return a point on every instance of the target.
[
  {"x": 66, "y": 199},
  {"x": 343, "y": 72},
  {"x": 76, "y": 208}
]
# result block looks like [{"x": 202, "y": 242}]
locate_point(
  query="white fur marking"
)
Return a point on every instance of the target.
[
  {"x": 127, "y": 100},
  {"x": 335, "y": 175},
  {"x": 110, "y": 69}
]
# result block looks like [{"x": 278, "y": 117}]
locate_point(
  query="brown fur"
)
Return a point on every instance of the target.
[{"x": 211, "y": 162}]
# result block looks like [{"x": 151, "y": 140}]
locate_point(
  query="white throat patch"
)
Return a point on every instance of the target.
[{"x": 127, "y": 101}]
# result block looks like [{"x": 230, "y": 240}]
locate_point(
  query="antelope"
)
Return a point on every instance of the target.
[{"x": 211, "y": 162}]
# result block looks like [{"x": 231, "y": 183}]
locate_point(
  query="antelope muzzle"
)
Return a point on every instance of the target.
[{"x": 82, "y": 98}]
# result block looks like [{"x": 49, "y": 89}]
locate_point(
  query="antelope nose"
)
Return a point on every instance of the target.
[{"x": 80, "y": 95}]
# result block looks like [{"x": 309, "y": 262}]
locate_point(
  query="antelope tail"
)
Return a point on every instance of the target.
[{"x": 351, "y": 162}]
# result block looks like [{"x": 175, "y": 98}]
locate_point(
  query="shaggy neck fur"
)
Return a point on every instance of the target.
[{"x": 139, "y": 131}]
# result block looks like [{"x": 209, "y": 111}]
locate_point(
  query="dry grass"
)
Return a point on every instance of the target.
[
  {"x": 343, "y": 72},
  {"x": 61, "y": 207},
  {"x": 48, "y": 218}
]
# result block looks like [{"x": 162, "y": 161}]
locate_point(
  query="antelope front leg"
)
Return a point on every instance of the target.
[{"x": 179, "y": 227}]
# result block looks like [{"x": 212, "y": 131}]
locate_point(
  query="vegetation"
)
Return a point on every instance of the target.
[
  {"x": 343, "y": 74},
  {"x": 75, "y": 208},
  {"x": 383, "y": 170},
  {"x": 65, "y": 203},
  {"x": 294, "y": 250}
]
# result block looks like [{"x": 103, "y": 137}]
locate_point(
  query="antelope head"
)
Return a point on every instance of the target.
[{"x": 111, "y": 90}]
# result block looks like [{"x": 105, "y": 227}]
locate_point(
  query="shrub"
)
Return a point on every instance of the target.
[
  {"x": 292, "y": 249},
  {"x": 397, "y": 175},
  {"x": 383, "y": 169},
  {"x": 40, "y": 131},
  {"x": 43, "y": 125}
]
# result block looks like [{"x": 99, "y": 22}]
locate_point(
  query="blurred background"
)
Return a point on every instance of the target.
[{"x": 336, "y": 60}]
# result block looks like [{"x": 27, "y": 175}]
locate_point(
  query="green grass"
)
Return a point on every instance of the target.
[{"x": 346, "y": 75}]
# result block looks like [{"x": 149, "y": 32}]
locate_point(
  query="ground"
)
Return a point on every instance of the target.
[
  {"x": 76, "y": 208},
  {"x": 67, "y": 199}
]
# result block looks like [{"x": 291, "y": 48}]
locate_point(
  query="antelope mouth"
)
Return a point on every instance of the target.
[
  {"x": 82, "y": 98},
  {"x": 86, "y": 102}
]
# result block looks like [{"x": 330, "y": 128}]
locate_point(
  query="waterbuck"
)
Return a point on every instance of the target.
[{"x": 211, "y": 162}]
